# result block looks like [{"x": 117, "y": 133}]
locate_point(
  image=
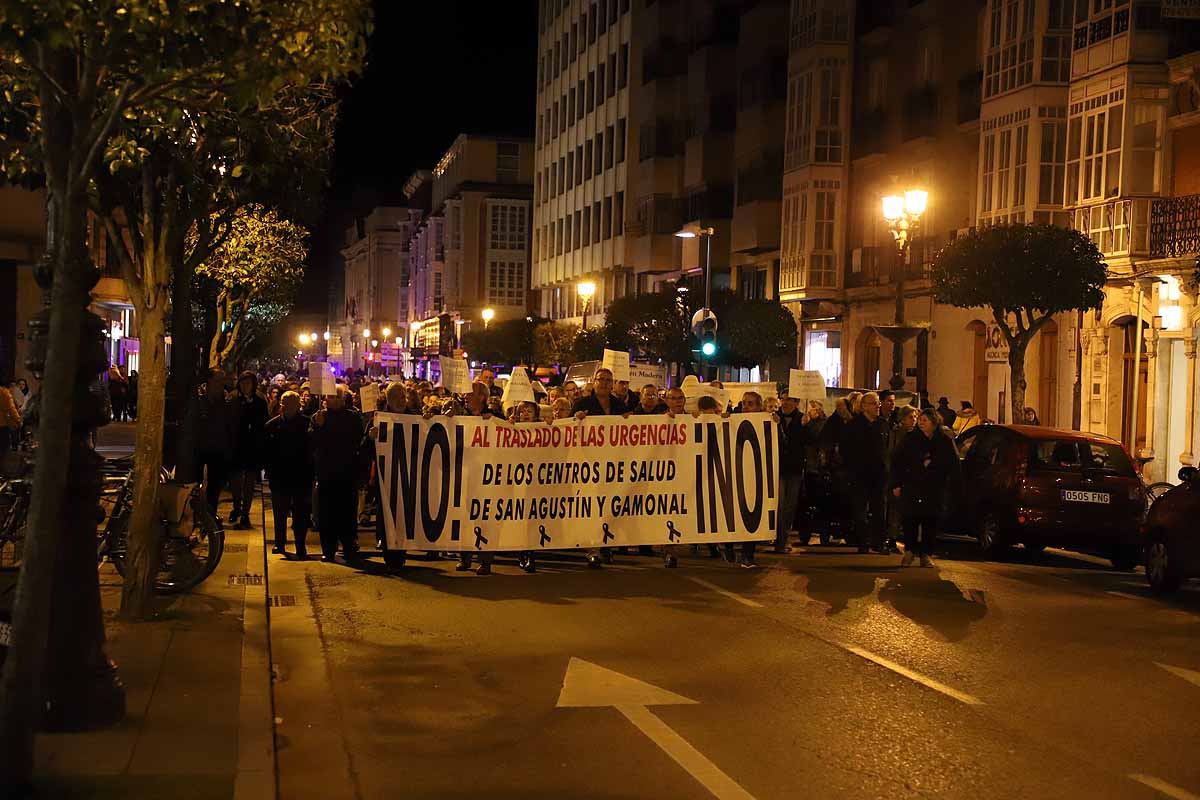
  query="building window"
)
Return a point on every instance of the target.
[
  {"x": 607, "y": 216},
  {"x": 578, "y": 228},
  {"x": 1020, "y": 159},
  {"x": 505, "y": 283},
  {"x": 608, "y": 147},
  {"x": 989, "y": 172},
  {"x": 1002, "y": 176},
  {"x": 1009, "y": 61},
  {"x": 507, "y": 228},
  {"x": 799, "y": 121},
  {"x": 823, "y": 264},
  {"x": 620, "y": 141},
  {"x": 619, "y": 214},
  {"x": 611, "y": 84},
  {"x": 596, "y": 217},
  {"x": 623, "y": 67},
  {"x": 1094, "y": 155},
  {"x": 829, "y": 135},
  {"x": 1056, "y": 59},
  {"x": 590, "y": 92},
  {"x": 599, "y": 85},
  {"x": 587, "y": 158}
]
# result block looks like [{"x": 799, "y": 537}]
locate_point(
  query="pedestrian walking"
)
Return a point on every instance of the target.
[
  {"x": 476, "y": 404},
  {"x": 250, "y": 413},
  {"x": 214, "y": 420},
  {"x": 946, "y": 412},
  {"x": 925, "y": 467},
  {"x": 336, "y": 434},
  {"x": 287, "y": 456},
  {"x": 118, "y": 393},
  {"x": 10, "y": 420},
  {"x": 1031, "y": 417},
  {"x": 20, "y": 393},
  {"x": 132, "y": 402},
  {"x": 864, "y": 443},
  {"x": 906, "y": 424},
  {"x": 967, "y": 418}
]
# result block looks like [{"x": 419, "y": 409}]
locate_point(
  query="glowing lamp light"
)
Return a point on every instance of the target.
[
  {"x": 326, "y": 335},
  {"x": 686, "y": 234},
  {"x": 366, "y": 333},
  {"x": 487, "y": 314},
  {"x": 304, "y": 339},
  {"x": 893, "y": 207},
  {"x": 708, "y": 348},
  {"x": 387, "y": 333},
  {"x": 374, "y": 343},
  {"x": 915, "y": 201}
]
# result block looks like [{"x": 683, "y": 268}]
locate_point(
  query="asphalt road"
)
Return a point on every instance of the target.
[{"x": 825, "y": 674}]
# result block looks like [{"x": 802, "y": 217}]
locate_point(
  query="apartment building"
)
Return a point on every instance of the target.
[{"x": 581, "y": 155}]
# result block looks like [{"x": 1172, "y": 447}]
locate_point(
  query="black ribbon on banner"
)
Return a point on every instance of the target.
[
  {"x": 543, "y": 538},
  {"x": 479, "y": 538},
  {"x": 673, "y": 534},
  {"x": 607, "y": 535}
]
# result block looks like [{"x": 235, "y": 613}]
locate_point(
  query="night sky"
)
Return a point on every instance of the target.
[{"x": 435, "y": 69}]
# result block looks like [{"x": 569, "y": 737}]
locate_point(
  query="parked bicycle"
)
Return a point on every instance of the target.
[{"x": 192, "y": 541}]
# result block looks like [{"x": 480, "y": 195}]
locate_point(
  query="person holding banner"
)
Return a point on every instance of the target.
[
  {"x": 676, "y": 400},
  {"x": 337, "y": 433},
  {"x": 864, "y": 449},
  {"x": 602, "y": 401},
  {"x": 795, "y": 436},
  {"x": 476, "y": 404},
  {"x": 288, "y": 460},
  {"x": 648, "y": 402}
]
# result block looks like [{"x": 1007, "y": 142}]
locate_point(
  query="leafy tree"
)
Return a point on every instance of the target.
[
  {"x": 509, "y": 341},
  {"x": 1024, "y": 274},
  {"x": 256, "y": 270},
  {"x": 654, "y": 324},
  {"x": 554, "y": 343},
  {"x": 80, "y": 75},
  {"x": 589, "y": 344},
  {"x": 757, "y": 331}
]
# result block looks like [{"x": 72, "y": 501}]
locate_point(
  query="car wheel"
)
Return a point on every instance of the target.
[
  {"x": 990, "y": 536},
  {"x": 1158, "y": 568},
  {"x": 1125, "y": 558}
]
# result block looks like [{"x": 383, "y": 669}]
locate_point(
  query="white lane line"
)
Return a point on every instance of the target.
[
  {"x": 731, "y": 595},
  {"x": 1161, "y": 786},
  {"x": 710, "y": 776},
  {"x": 937, "y": 686},
  {"x": 1189, "y": 675},
  {"x": 1127, "y": 596}
]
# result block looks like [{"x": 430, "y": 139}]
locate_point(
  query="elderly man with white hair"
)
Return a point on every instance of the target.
[
  {"x": 337, "y": 433},
  {"x": 288, "y": 459}
]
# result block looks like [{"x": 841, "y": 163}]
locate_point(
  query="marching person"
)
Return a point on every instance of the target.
[
  {"x": 648, "y": 402},
  {"x": 907, "y": 424},
  {"x": 288, "y": 460},
  {"x": 476, "y": 404},
  {"x": 795, "y": 436},
  {"x": 863, "y": 447},
  {"x": 601, "y": 401},
  {"x": 752, "y": 403},
  {"x": 214, "y": 421},
  {"x": 946, "y": 412},
  {"x": 967, "y": 418},
  {"x": 676, "y": 400},
  {"x": 925, "y": 465},
  {"x": 336, "y": 435},
  {"x": 251, "y": 416}
]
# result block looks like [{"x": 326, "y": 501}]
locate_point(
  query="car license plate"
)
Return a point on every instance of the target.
[
  {"x": 5, "y": 634},
  {"x": 1076, "y": 496}
]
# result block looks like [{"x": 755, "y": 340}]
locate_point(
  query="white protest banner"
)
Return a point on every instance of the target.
[
  {"x": 320, "y": 380},
  {"x": 641, "y": 374},
  {"x": 517, "y": 390},
  {"x": 368, "y": 397},
  {"x": 618, "y": 362},
  {"x": 456, "y": 375},
  {"x": 465, "y": 483},
  {"x": 805, "y": 385}
]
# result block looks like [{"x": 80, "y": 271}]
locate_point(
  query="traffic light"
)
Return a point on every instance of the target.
[{"x": 704, "y": 328}]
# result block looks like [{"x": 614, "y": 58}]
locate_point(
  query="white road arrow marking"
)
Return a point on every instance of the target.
[
  {"x": 587, "y": 685},
  {"x": 1189, "y": 675}
]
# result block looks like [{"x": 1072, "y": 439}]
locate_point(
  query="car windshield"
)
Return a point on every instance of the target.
[{"x": 1073, "y": 455}]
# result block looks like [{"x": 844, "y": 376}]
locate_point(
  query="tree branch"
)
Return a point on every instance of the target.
[{"x": 101, "y": 131}]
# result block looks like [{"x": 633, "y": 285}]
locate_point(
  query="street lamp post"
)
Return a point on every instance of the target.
[
  {"x": 903, "y": 215},
  {"x": 487, "y": 315},
  {"x": 586, "y": 291},
  {"x": 706, "y": 234}
]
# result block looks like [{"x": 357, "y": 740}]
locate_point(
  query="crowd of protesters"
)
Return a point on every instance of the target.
[{"x": 893, "y": 471}]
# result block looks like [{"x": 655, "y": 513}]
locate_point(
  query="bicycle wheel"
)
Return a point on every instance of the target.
[
  {"x": 187, "y": 555},
  {"x": 1157, "y": 490}
]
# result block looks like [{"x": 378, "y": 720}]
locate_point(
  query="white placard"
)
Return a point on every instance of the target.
[
  {"x": 517, "y": 390},
  {"x": 995, "y": 349},
  {"x": 618, "y": 362},
  {"x": 695, "y": 390},
  {"x": 467, "y": 484},
  {"x": 321, "y": 382},
  {"x": 456, "y": 375},
  {"x": 368, "y": 397},
  {"x": 805, "y": 385},
  {"x": 641, "y": 374}
]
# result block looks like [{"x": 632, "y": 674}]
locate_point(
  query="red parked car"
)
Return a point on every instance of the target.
[
  {"x": 1043, "y": 486},
  {"x": 1171, "y": 536}
]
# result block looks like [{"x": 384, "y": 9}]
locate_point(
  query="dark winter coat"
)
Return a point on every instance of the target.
[
  {"x": 251, "y": 419},
  {"x": 863, "y": 446},
  {"x": 637, "y": 410},
  {"x": 591, "y": 406},
  {"x": 337, "y": 445},
  {"x": 214, "y": 420},
  {"x": 287, "y": 452},
  {"x": 794, "y": 439},
  {"x": 924, "y": 468}
]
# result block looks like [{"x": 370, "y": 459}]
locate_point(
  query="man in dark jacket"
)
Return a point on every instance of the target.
[
  {"x": 213, "y": 419},
  {"x": 947, "y": 413},
  {"x": 337, "y": 433},
  {"x": 251, "y": 416},
  {"x": 601, "y": 401},
  {"x": 648, "y": 402},
  {"x": 864, "y": 442},
  {"x": 288, "y": 459},
  {"x": 925, "y": 468},
  {"x": 794, "y": 438}
]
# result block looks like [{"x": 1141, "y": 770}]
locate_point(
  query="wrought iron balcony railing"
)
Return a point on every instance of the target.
[{"x": 1175, "y": 226}]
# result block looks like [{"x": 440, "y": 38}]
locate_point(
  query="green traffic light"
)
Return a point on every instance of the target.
[{"x": 709, "y": 348}]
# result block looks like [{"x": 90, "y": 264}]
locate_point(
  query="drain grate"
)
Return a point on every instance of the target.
[
  {"x": 245, "y": 580},
  {"x": 283, "y": 600},
  {"x": 235, "y": 548}
]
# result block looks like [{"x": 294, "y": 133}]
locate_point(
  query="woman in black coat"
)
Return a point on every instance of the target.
[{"x": 924, "y": 465}]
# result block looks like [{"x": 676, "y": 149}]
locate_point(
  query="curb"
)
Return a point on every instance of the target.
[{"x": 256, "y": 777}]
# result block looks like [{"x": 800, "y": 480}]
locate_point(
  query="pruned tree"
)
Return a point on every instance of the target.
[
  {"x": 654, "y": 324},
  {"x": 1023, "y": 274},
  {"x": 757, "y": 331},
  {"x": 256, "y": 271},
  {"x": 553, "y": 342}
]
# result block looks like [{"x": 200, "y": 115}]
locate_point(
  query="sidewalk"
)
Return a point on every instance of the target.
[{"x": 199, "y": 721}]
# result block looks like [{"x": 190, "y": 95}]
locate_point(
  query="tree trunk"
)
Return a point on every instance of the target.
[
  {"x": 145, "y": 528},
  {"x": 1016, "y": 366}
]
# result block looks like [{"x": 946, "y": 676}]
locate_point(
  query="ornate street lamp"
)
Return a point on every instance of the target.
[
  {"x": 586, "y": 291},
  {"x": 903, "y": 216},
  {"x": 487, "y": 315}
]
